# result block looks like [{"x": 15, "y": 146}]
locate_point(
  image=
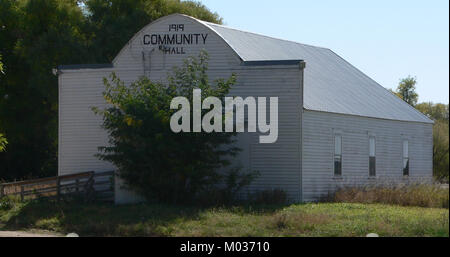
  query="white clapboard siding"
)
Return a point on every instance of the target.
[
  {"x": 278, "y": 163},
  {"x": 318, "y": 148},
  {"x": 80, "y": 132},
  {"x": 135, "y": 52}
]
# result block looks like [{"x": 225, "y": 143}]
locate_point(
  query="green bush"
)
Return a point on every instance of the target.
[
  {"x": 6, "y": 204},
  {"x": 154, "y": 161}
]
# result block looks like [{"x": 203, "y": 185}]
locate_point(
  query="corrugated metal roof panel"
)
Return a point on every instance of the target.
[{"x": 331, "y": 84}]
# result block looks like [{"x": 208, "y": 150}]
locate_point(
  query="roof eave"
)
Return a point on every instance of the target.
[
  {"x": 300, "y": 63},
  {"x": 429, "y": 121}
]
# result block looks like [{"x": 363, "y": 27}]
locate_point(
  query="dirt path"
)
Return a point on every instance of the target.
[{"x": 27, "y": 234}]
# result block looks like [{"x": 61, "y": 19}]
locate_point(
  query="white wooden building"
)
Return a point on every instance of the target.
[{"x": 336, "y": 125}]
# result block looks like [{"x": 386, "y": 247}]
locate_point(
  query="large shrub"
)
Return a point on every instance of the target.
[{"x": 156, "y": 162}]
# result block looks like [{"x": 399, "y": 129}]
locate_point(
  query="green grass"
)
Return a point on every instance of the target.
[{"x": 322, "y": 219}]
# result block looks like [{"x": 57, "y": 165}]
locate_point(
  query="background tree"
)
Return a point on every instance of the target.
[
  {"x": 406, "y": 90},
  {"x": 3, "y": 141},
  {"x": 156, "y": 162},
  {"x": 113, "y": 22},
  {"x": 434, "y": 111},
  {"x": 37, "y": 36},
  {"x": 1, "y": 65},
  {"x": 440, "y": 114}
]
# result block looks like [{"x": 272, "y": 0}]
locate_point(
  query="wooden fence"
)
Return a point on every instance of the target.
[{"x": 89, "y": 185}]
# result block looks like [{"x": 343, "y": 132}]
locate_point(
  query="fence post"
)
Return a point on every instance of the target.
[
  {"x": 22, "y": 193},
  {"x": 58, "y": 189},
  {"x": 2, "y": 191},
  {"x": 77, "y": 185},
  {"x": 89, "y": 187}
]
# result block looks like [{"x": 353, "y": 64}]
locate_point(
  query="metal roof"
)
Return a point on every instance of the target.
[{"x": 331, "y": 84}]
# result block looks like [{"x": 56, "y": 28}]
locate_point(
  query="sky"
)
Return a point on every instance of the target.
[{"x": 387, "y": 40}]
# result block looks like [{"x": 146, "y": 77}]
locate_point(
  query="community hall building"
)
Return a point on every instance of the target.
[{"x": 336, "y": 126}]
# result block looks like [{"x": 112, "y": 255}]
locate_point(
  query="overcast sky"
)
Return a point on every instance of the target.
[{"x": 386, "y": 39}]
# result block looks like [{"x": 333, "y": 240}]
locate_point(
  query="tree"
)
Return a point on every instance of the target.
[
  {"x": 156, "y": 162},
  {"x": 3, "y": 141},
  {"x": 440, "y": 114},
  {"x": 441, "y": 150},
  {"x": 113, "y": 22},
  {"x": 1, "y": 64},
  {"x": 37, "y": 36},
  {"x": 406, "y": 90},
  {"x": 434, "y": 111}
]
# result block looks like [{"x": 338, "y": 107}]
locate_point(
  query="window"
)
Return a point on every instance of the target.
[
  {"x": 372, "y": 160},
  {"x": 337, "y": 155},
  {"x": 405, "y": 158}
]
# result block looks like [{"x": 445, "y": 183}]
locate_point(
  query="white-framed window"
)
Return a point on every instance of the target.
[
  {"x": 372, "y": 157},
  {"x": 405, "y": 160},
  {"x": 337, "y": 154}
]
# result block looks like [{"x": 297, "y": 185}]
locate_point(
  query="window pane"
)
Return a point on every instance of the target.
[
  {"x": 372, "y": 169},
  {"x": 371, "y": 146},
  {"x": 405, "y": 149},
  {"x": 406, "y": 166},
  {"x": 337, "y": 144},
  {"x": 337, "y": 165}
]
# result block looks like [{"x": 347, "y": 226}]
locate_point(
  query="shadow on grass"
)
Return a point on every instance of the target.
[{"x": 107, "y": 219}]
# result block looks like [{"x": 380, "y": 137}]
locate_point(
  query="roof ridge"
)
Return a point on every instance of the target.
[{"x": 244, "y": 31}]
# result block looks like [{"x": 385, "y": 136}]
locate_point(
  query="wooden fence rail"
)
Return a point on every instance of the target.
[{"x": 82, "y": 184}]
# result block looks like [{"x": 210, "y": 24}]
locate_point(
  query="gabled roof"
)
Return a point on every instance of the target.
[{"x": 331, "y": 84}]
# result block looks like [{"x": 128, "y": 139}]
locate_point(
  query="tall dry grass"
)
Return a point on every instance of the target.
[{"x": 421, "y": 195}]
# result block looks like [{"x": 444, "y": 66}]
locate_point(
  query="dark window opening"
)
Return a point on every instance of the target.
[
  {"x": 337, "y": 155},
  {"x": 372, "y": 158},
  {"x": 405, "y": 166},
  {"x": 372, "y": 165},
  {"x": 405, "y": 158},
  {"x": 337, "y": 165}
]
